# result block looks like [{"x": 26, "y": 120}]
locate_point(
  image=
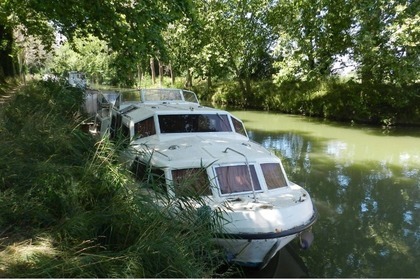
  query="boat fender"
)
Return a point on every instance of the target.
[{"x": 306, "y": 239}]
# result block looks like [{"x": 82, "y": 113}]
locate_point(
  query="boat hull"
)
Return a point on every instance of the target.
[
  {"x": 256, "y": 250},
  {"x": 253, "y": 252}
]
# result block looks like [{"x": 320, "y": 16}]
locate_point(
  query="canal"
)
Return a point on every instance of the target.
[{"x": 365, "y": 183}]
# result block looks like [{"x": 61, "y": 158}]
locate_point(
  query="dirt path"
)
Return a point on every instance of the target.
[{"x": 7, "y": 90}]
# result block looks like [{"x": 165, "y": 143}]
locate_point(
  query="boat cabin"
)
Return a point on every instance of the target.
[
  {"x": 196, "y": 149},
  {"x": 162, "y": 112}
]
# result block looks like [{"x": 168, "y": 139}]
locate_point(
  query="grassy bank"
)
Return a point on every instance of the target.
[
  {"x": 345, "y": 101},
  {"x": 69, "y": 210}
]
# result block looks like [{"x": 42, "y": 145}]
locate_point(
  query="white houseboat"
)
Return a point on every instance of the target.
[{"x": 169, "y": 130}]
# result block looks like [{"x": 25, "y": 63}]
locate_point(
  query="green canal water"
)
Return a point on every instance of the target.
[{"x": 365, "y": 183}]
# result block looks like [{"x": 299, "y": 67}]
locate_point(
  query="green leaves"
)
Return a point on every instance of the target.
[
  {"x": 127, "y": 26},
  {"x": 313, "y": 36},
  {"x": 239, "y": 39}
]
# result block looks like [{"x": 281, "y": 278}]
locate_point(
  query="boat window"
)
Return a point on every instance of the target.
[
  {"x": 191, "y": 182},
  {"x": 125, "y": 135},
  {"x": 125, "y": 130},
  {"x": 273, "y": 175},
  {"x": 144, "y": 128},
  {"x": 151, "y": 177},
  {"x": 116, "y": 121},
  {"x": 190, "y": 96},
  {"x": 119, "y": 131},
  {"x": 239, "y": 127},
  {"x": 193, "y": 123},
  {"x": 235, "y": 179}
]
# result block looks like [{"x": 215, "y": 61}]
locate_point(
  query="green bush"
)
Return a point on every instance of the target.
[
  {"x": 348, "y": 101},
  {"x": 228, "y": 94}
]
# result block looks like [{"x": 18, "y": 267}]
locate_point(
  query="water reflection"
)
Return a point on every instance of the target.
[
  {"x": 286, "y": 264},
  {"x": 365, "y": 184}
]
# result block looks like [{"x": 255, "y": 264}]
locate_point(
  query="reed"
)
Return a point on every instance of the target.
[{"x": 68, "y": 209}]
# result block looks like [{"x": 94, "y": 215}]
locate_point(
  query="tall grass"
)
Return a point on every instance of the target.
[{"x": 68, "y": 209}]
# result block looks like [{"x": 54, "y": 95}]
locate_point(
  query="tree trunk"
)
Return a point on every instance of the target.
[
  {"x": 243, "y": 90},
  {"x": 209, "y": 82},
  {"x": 21, "y": 62},
  {"x": 152, "y": 70},
  {"x": 160, "y": 73},
  {"x": 188, "y": 81},
  {"x": 240, "y": 81},
  {"x": 172, "y": 75},
  {"x": 248, "y": 91},
  {"x": 6, "y": 61},
  {"x": 139, "y": 74}
]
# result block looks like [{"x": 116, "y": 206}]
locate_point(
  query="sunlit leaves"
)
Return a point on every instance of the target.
[
  {"x": 123, "y": 24},
  {"x": 89, "y": 55},
  {"x": 379, "y": 37},
  {"x": 311, "y": 35},
  {"x": 236, "y": 38}
]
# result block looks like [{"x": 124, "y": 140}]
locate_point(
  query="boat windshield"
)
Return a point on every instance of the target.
[
  {"x": 182, "y": 123},
  {"x": 189, "y": 96},
  {"x": 178, "y": 95},
  {"x": 236, "y": 179}
]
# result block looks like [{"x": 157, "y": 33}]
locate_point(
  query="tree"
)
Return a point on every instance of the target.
[
  {"x": 89, "y": 55},
  {"x": 386, "y": 41},
  {"x": 244, "y": 38},
  {"x": 133, "y": 28},
  {"x": 381, "y": 37},
  {"x": 312, "y": 34},
  {"x": 184, "y": 39},
  {"x": 235, "y": 39},
  {"x": 6, "y": 62},
  {"x": 225, "y": 39}
]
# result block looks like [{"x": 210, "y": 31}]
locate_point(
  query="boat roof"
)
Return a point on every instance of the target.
[{"x": 202, "y": 150}]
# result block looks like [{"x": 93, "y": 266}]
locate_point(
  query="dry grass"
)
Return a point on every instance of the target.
[{"x": 23, "y": 253}]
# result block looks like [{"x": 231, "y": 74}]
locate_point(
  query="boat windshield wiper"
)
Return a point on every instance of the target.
[{"x": 249, "y": 170}]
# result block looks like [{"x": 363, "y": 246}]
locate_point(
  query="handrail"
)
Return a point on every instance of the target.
[
  {"x": 157, "y": 151},
  {"x": 249, "y": 170}
]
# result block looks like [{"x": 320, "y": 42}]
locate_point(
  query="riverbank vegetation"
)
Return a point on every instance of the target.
[
  {"x": 344, "y": 60},
  {"x": 382, "y": 104},
  {"x": 69, "y": 210}
]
